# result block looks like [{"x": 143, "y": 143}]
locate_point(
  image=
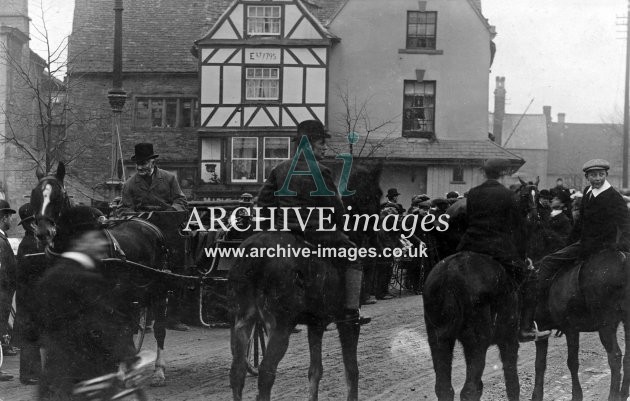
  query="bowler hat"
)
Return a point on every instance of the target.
[
  {"x": 452, "y": 195},
  {"x": 143, "y": 151},
  {"x": 496, "y": 166},
  {"x": 392, "y": 192},
  {"x": 312, "y": 129},
  {"x": 26, "y": 213},
  {"x": 5, "y": 208},
  {"x": 545, "y": 194},
  {"x": 596, "y": 164}
]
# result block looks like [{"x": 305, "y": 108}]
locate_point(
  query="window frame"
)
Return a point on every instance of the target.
[
  {"x": 233, "y": 159},
  {"x": 408, "y": 37},
  {"x": 264, "y": 158},
  {"x": 179, "y": 111},
  {"x": 277, "y": 79},
  {"x": 458, "y": 174},
  {"x": 410, "y": 133},
  {"x": 271, "y": 23},
  {"x": 217, "y": 160}
]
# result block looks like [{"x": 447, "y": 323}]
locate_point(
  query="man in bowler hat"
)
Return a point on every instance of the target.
[
  {"x": 392, "y": 201},
  {"x": 7, "y": 277}
]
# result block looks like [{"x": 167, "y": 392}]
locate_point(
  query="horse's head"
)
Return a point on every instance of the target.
[
  {"x": 364, "y": 181},
  {"x": 528, "y": 195},
  {"x": 49, "y": 199}
]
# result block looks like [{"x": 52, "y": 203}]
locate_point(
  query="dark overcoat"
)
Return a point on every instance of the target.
[
  {"x": 604, "y": 220},
  {"x": 7, "y": 281},
  {"x": 493, "y": 222},
  {"x": 83, "y": 331},
  {"x": 163, "y": 191}
]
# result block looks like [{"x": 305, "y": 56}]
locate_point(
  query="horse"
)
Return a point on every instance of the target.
[
  {"x": 470, "y": 297},
  {"x": 589, "y": 297},
  {"x": 284, "y": 292},
  {"x": 140, "y": 242}
]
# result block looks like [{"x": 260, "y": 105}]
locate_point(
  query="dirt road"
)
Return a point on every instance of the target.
[{"x": 394, "y": 363}]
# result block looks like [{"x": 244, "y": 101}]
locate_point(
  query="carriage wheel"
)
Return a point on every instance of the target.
[
  {"x": 257, "y": 347},
  {"x": 141, "y": 327}
]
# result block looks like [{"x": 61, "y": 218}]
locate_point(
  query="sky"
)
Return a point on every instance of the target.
[{"x": 568, "y": 54}]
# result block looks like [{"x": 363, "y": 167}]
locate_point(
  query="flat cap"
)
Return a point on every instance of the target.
[
  {"x": 500, "y": 166},
  {"x": 419, "y": 198},
  {"x": 596, "y": 164},
  {"x": 439, "y": 201}
]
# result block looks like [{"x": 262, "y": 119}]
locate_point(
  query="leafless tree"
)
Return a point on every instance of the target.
[{"x": 357, "y": 116}]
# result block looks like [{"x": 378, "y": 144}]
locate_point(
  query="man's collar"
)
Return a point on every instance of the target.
[
  {"x": 81, "y": 258},
  {"x": 597, "y": 191},
  {"x": 3, "y": 233}
]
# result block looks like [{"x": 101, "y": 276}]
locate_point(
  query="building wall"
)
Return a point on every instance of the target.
[
  {"x": 176, "y": 146},
  {"x": 367, "y": 62},
  {"x": 535, "y": 166}
]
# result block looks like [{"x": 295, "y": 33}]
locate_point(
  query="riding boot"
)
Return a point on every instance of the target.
[
  {"x": 528, "y": 328},
  {"x": 353, "y": 280}
]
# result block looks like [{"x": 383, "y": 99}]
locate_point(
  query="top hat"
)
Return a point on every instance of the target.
[
  {"x": 312, "y": 129},
  {"x": 596, "y": 164},
  {"x": 143, "y": 152},
  {"x": 26, "y": 213},
  {"x": 5, "y": 208},
  {"x": 392, "y": 192}
]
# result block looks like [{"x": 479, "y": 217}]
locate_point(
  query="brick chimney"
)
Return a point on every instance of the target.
[
  {"x": 499, "y": 110},
  {"x": 547, "y": 113},
  {"x": 561, "y": 118},
  {"x": 14, "y": 14}
]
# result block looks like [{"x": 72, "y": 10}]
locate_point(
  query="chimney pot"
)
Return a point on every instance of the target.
[
  {"x": 499, "y": 110},
  {"x": 561, "y": 118}
]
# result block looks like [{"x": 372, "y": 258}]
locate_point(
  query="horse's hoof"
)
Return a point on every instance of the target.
[{"x": 159, "y": 379}]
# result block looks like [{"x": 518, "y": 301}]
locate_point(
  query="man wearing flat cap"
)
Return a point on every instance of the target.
[
  {"x": 312, "y": 136},
  {"x": 603, "y": 222},
  {"x": 493, "y": 225},
  {"x": 7, "y": 271},
  {"x": 151, "y": 188}
]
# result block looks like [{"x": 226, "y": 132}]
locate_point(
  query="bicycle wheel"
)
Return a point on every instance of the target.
[{"x": 257, "y": 347}]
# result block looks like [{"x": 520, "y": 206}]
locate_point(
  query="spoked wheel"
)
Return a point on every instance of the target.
[
  {"x": 257, "y": 347},
  {"x": 140, "y": 329}
]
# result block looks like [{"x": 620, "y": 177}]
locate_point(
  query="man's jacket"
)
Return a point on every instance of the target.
[
  {"x": 302, "y": 185},
  {"x": 604, "y": 221},
  {"x": 163, "y": 192},
  {"x": 493, "y": 222},
  {"x": 7, "y": 281}
]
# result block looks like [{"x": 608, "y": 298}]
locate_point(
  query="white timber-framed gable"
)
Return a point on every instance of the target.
[{"x": 263, "y": 70}]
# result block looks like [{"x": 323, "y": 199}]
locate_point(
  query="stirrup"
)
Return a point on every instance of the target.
[{"x": 541, "y": 335}]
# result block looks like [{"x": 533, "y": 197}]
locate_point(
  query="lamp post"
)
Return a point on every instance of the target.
[{"x": 117, "y": 98}]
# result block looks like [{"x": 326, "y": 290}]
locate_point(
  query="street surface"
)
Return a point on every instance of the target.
[{"x": 394, "y": 363}]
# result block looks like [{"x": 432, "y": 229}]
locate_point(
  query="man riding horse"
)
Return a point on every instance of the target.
[
  {"x": 494, "y": 228},
  {"x": 603, "y": 223},
  {"x": 301, "y": 186}
]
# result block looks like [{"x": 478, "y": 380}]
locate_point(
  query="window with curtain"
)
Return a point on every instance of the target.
[
  {"x": 211, "y": 161},
  {"x": 165, "y": 112},
  {"x": 421, "y": 29},
  {"x": 263, "y": 20},
  {"x": 244, "y": 159},
  {"x": 419, "y": 109},
  {"x": 262, "y": 83}
]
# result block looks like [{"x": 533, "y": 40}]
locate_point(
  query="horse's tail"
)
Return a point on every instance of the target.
[{"x": 444, "y": 307}]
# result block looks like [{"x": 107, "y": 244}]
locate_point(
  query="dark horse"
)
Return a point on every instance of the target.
[
  {"x": 283, "y": 292},
  {"x": 586, "y": 298},
  {"x": 470, "y": 297},
  {"x": 140, "y": 241}
]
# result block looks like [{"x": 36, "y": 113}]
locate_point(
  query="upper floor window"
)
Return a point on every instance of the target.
[
  {"x": 421, "y": 28},
  {"x": 419, "y": 109},
  {"x": 263, "y": 20},
  {"x": 165, "y": 112},
  {"x": 262, "y": 83}
]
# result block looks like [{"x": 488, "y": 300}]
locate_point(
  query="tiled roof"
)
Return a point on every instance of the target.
[
  {"x": 414, "y": 149},
  {"x": 527, "y": 131},
  {"x": 157, "y": 34}
]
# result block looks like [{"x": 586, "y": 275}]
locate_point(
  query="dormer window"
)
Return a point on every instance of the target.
[{"x": 263, "y": 20}]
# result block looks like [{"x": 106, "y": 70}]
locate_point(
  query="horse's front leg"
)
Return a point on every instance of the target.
[
  {"x": 276, "y": 348},
  {"x": 349, "y": 337},
  {"x": 625, "y": 384},
  {"x": 159, "y": 332},
  {"x": 508, "y": 349},
  {"x": 315, "y": 371},
  {"x": 541, "y": 365},
  {"x": 573, "y": 344},
  {"x": 608, "y": 337}
]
